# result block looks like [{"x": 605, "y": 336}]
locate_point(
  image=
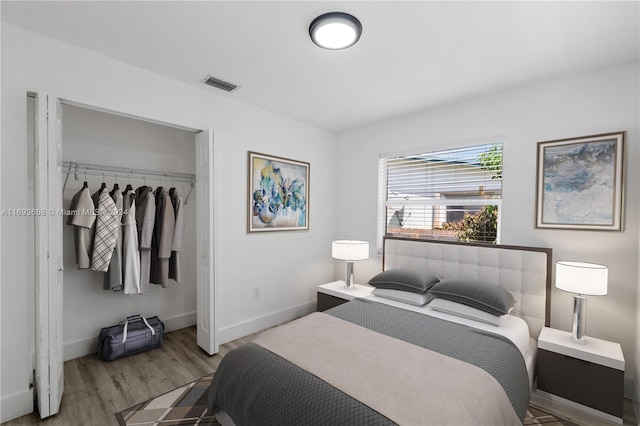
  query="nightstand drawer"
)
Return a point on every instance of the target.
[
  {"x": 584, "y": 382},
  {"x": 326, "y": 301}
]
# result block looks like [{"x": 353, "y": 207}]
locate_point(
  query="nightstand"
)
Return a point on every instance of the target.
[
  {"x": 335, "y": 293},
  {"x": 589, "y": 377}
]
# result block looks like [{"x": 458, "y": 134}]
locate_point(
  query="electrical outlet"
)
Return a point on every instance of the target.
[{"x": 256, "y": 292}]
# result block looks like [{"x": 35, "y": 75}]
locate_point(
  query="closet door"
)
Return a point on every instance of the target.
[
  {"x": 48, "y": 231},
  {"x": 206, "y": 243}
]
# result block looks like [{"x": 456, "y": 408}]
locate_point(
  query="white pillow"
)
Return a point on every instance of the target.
[
  {"x": 464, "y": 311},
  {"x": 409, "y": 297}
]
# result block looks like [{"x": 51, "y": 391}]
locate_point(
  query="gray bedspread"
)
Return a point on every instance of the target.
[{"x": 257, "y": 387}]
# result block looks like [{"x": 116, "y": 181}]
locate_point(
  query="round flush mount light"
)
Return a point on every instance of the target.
[{"x": 335, "y": 30}]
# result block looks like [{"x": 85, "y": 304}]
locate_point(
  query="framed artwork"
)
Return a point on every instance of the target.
[
  {"x": 580, "y": 183},
  {"x": 278, "y": 194}
]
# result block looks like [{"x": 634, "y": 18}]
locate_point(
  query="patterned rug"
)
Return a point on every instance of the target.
[{"x": 187, "y": 405}]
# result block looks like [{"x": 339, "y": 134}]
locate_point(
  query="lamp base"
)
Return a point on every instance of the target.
[
  {"x": 583, "y": 340},
  {"x": 579, "y": 326},
  {"x": 348, "y": 276}
]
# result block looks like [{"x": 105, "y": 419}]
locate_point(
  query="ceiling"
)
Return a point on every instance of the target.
[{"x": 411, "y": 56}]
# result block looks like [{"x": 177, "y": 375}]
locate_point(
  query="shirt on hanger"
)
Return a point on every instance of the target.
[
  {"x": 130, "y": 253},
  {"x": 113, "y": 277},
  {"x": 178, "y": 232},
  {"x": 162, "y": 237},
  {"x": 104, "y": 240},
  {"x": 82, "y": 218},
  {"x": 145, "y": 220}
]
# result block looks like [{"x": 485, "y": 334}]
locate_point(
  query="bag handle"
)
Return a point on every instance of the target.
[{"x": 136, "y": 317}]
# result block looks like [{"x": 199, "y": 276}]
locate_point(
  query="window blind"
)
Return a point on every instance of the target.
[{"x": 452, "y": 194}]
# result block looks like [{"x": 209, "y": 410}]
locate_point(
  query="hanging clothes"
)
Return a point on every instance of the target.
[
  {"x": 107, "y": 225},
  {"x": 113, "y": 277},
  {"x": 145, "y": 220},
  {"x": 178, "y": 232},
  {"x": 82, "y": 218},
  {"x": 162, "y": 238},
  {"x": 130, "y": 253}
]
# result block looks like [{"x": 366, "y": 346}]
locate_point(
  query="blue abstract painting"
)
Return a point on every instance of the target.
[
  {"x": 279, "y": 194},
  {"x": 580, "y": 183}
]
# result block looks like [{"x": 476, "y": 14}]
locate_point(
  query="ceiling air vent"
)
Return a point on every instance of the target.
[{"x": 220, "y": 84}]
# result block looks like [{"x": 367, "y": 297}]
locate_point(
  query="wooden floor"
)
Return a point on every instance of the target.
[
  {"x": 580, "y": 417},
  {"x": 95, "y": 390}
]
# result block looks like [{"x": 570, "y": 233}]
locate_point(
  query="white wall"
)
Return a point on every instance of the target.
[
  {"x": 597, "y": 102},
  {"x": 287, "y": 265}
]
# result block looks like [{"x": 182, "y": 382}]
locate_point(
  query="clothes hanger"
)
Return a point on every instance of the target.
[
  {"x": 104, "y": 185},
  {"x": 141, "y": 188},
  {"x": 85, "y": 185},
  {"x": 129, "y": 187},
  {"x": 115, "y": 187}
]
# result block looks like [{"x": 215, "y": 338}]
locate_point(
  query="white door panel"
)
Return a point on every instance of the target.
[
  {"x": 56, "y": 358},
  {"x": 49, "y": 379},
  {"x": 41, "y": 252},
  {"x": 205, "y": 243}
]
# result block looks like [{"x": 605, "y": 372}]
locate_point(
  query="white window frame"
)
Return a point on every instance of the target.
[{"x": 382, "y": 183}]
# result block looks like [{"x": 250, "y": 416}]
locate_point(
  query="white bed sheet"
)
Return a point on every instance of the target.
[
  {"x": 530, "y": 360},
  {"x": 512, "y": 327}
]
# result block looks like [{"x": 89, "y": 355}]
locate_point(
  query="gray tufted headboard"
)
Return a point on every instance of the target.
[{"x": 524, "y": 271}]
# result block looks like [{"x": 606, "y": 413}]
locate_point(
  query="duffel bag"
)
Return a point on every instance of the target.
[{"x": 134, "y": 335}]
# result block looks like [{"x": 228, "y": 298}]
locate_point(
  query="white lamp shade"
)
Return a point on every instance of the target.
[
  {"x": 350, "y": 250},
  {"x": 582, "y": 278}
]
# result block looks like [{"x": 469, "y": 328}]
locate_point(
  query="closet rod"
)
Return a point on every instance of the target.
[{"x": 75, "y": 168}]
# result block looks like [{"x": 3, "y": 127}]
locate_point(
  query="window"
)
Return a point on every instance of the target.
[{"x": 453, "y": 194}]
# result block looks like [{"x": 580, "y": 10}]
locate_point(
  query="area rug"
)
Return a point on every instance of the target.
[{"x": 187, "y": 405}]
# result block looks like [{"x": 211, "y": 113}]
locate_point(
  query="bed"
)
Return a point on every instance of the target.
[{"x": 378, "y": 361}]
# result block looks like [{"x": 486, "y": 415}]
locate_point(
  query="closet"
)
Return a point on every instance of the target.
[
  {"x": 99, "y": 147},
  {"x": 97, "y": 138}
]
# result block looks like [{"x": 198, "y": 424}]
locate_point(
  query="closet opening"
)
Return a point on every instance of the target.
[
  {"x": 101, "y": 139},
  {"x": 94, "y": 148}
]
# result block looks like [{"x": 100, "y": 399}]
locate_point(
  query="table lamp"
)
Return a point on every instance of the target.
[
  {"x": 349, "y": 250},
  {"x": 581, "y": 278}
]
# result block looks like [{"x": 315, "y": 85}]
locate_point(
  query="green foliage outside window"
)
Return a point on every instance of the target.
[
  {"x": 479, "y": 227},
  {"x": 483, "y": 225},
  {"x": 491, "y": 161}
]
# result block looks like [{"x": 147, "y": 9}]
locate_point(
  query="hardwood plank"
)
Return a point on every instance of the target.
[{"x": 96, "y": 390}]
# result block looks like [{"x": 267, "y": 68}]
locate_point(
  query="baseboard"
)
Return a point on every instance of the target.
[
  {"x": 629, "y": 386},
  {"x": 16, "y": 405},
  {"x": 636, "y": 398},
  {"x": 89, "y": 345},
  {"x": 253, "y": 325},
  {"x": 181, "y": 321}
]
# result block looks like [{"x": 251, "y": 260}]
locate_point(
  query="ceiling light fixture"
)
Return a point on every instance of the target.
[{"x": 335, "y": 30}]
